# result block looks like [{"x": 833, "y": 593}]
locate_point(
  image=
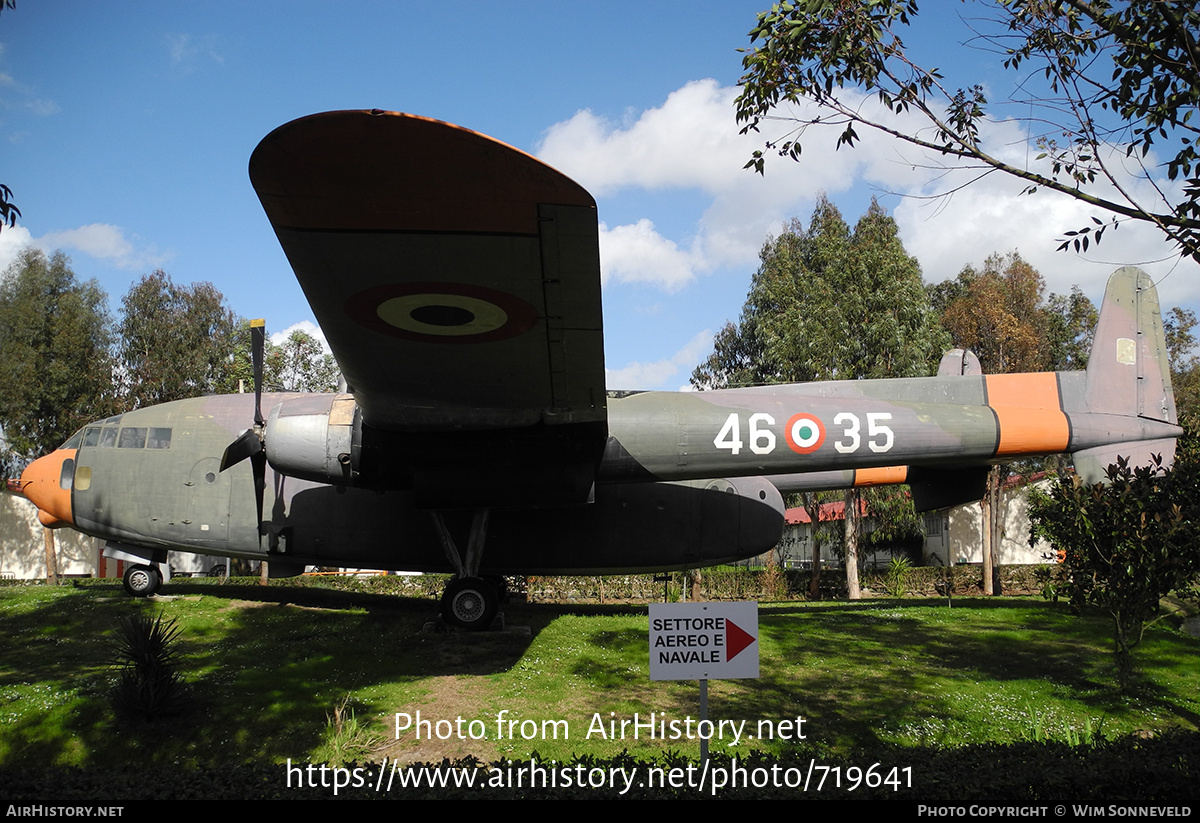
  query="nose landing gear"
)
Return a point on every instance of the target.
[{"x": 141, "y": 580}]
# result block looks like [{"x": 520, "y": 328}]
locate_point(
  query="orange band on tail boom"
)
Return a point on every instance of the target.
[{"x": 1029, "y": 412}]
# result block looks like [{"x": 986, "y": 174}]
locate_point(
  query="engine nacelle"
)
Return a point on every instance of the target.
[{"x": 315, "y": 437}]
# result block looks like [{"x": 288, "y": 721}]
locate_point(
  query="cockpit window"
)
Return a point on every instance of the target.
[
  {"x": 132, "y": 437},
  {"x": 129, "y": 437}
]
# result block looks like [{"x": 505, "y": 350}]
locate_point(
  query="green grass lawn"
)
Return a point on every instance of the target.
[{"x": 314, "y": 674}]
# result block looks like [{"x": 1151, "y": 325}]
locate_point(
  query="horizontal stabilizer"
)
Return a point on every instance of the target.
[{"x": 1092, "y": 464}]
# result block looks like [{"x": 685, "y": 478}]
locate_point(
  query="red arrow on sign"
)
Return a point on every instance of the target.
[{"x": 736, "y": 639}]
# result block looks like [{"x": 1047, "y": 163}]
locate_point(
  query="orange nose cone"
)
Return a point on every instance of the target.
[{"x": 47, "y": 482}]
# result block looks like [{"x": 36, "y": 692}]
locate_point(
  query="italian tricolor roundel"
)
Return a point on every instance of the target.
[{"x": 804, "y": 433}]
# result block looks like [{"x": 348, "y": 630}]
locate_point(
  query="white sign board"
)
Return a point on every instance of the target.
[{"x": 703, "y": 641}]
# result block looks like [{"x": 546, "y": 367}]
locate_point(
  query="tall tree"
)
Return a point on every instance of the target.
[
  {"x": 56, "y": 371},
  {"x": 1179, "y": 326},
  {"x": 1070, "y": 330},
  {"x": 176, "y": 341},
  {"x": 1000, "y": 312},
  {"x": 1101, "y": 83},
  {"x": 830, "y": 303},
  {"x": 300, "y": 364}
]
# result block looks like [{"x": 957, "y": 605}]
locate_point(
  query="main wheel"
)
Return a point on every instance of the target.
[
  {"x": 470, "y": 603},
  {"x": 142, "y": 581}
]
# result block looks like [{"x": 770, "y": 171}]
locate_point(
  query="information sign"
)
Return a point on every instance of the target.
[{"x": 703, "y": 641}]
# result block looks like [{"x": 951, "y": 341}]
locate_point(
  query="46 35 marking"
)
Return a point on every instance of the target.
[{"x": 805, "y": 433}]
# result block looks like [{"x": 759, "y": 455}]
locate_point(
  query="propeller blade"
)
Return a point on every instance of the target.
[
  {"x": 258, "y": 463},
  {"x": 248, "y": 444},
  {"x": 258, "y": 341}
]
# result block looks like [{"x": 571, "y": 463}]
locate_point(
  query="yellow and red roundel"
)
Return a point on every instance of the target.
[
  {"x": 442, "y": 312},
  {"x": 804, "y": 433}
]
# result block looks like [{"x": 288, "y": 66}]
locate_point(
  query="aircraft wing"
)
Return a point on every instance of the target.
[{"x": 457, "y": 279}]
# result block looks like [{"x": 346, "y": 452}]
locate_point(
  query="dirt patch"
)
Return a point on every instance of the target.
[{"x": 450, "y": 697}]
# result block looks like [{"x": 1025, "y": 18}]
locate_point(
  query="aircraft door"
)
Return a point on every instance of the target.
[{"x": 208, "y": 504}]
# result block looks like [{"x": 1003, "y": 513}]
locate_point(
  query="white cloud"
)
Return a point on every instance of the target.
[
  {"x": 12, "y": 240},
  {"x": 105, "y": 242},
  {"x": 308, "y": 327},
  {"x": 688, "y": 142},
  {"x": 43, "y": 108},
  {"x": 651, "y": 375},
  {"x": 691, "y": 143},
  {"x": 638, "y": 253},
  {"x": 98, "y": 240},
  {"x": 992, "y": 215},
  {"x": 186, "y": 50},
  {"x": 25, "y": 96}
]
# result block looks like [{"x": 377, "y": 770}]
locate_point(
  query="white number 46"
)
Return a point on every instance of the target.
[{"x": 762, "y": 440}]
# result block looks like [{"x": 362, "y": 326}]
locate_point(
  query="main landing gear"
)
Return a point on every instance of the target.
[
  {"x": 142, "y": 581},
  {"x": 469, "y": 602}
]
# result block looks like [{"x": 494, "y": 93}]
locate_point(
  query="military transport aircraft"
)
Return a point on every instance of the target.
[{"x": 457, "y": 281}]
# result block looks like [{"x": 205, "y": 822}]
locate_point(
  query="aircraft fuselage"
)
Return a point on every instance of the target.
[{"x": 151, "y": 477}]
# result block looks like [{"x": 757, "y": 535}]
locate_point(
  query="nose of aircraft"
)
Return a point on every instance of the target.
[{"x": 47, "y": 482}]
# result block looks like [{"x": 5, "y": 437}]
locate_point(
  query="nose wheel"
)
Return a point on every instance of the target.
[
  {"x": 142, "y": 581},
  {"x": 470, "y": 603}
]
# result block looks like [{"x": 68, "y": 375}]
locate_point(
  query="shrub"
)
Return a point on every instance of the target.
[{"x": 149, "y": 685}]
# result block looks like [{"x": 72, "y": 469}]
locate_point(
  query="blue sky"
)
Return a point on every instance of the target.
[{"x": 125, "y": 130}]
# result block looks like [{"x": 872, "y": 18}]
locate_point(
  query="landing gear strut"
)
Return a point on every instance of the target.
[
  {"x": 142, "y": 581},
  {"x": 469, "y": 601}
]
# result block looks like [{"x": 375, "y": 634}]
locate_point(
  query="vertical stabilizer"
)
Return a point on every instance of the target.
[
  {"x": 1128, "y": 372},
  {"x": 959, "y": 363}
]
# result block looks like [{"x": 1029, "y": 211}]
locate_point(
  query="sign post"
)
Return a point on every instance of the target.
[{"x": 699, "y": 641}]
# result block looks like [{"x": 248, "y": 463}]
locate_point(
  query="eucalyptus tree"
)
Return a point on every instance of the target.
[
  {"x": 830, "y": 303},
  {"x": 57, "y": 370},
  {"x": 175, "y": 341}
]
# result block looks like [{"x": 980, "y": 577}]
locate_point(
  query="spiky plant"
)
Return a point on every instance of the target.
[{"x": 147, "y": 655}]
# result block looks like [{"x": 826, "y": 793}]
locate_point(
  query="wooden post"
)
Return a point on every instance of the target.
[
  {"x": 850, "y": 511},
  {"x": 51, "y": 557}
]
